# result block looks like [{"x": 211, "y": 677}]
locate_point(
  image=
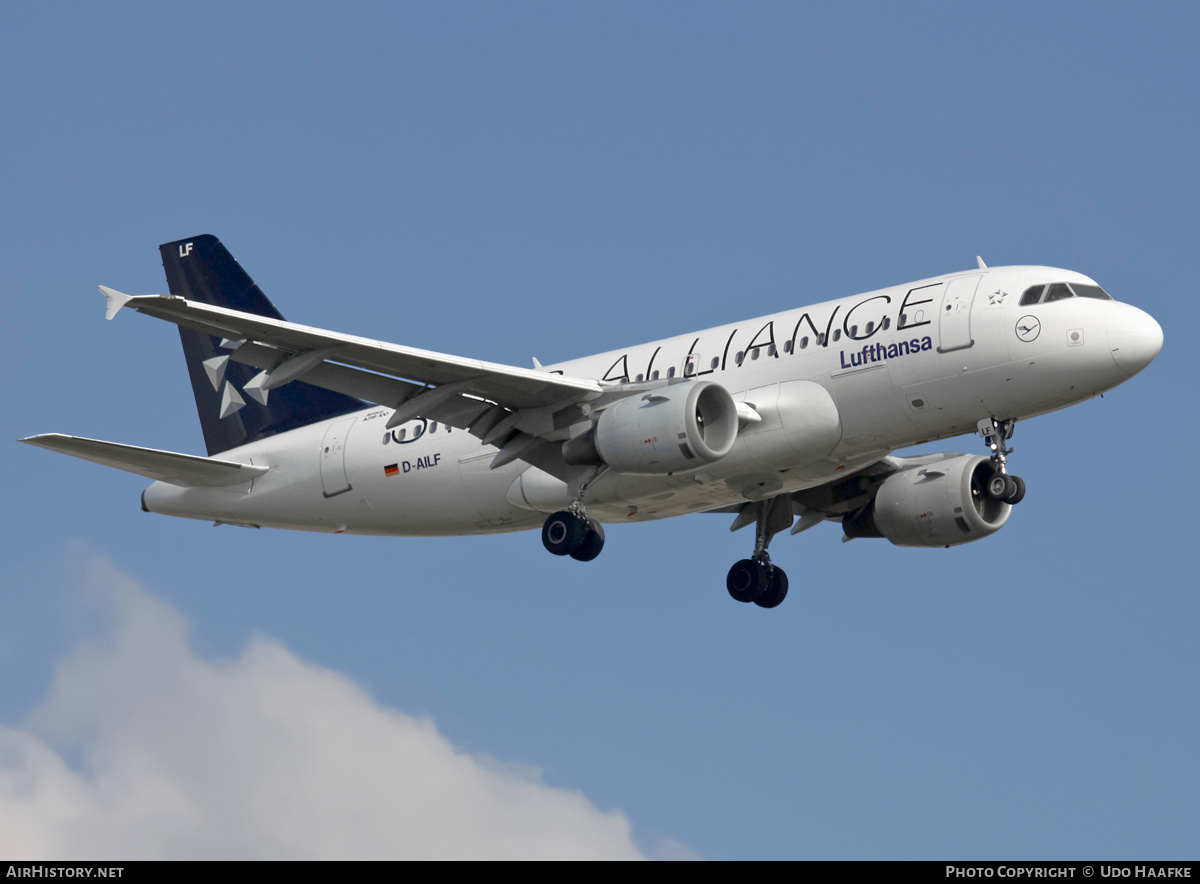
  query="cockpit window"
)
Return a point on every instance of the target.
[
  {"x": 1059, "y": 290},
  {"x": 1091, "y": 291}
]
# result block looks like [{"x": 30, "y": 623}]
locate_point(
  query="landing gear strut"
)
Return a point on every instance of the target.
[
  {"x": 1001, "y": 486},
  {"x": 755, "y": 579}
]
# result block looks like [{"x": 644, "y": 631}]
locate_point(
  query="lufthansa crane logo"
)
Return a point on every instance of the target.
[{"x": 1028, "y": 328}]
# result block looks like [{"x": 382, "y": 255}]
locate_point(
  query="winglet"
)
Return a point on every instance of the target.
[
  {"x": 982, "y": 266},
  {"x": 116, "y": 300}
]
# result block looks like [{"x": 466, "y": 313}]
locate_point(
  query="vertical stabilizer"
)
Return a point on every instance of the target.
[{"x": 201, "y": 269}]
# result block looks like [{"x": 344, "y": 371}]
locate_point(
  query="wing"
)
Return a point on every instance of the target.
[{"x": 525, "y": 413}]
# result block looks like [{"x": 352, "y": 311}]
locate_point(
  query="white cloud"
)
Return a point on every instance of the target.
[{"x": 262, "y": 756}]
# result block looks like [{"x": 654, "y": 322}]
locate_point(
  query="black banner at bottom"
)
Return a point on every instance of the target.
[{"x": 919, "y": 869}]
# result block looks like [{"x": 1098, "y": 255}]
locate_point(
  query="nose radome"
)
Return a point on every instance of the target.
[{"x": 1134, "y": 338}]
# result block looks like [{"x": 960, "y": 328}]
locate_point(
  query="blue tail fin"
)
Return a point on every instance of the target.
[{"x": 201, "y": 269}]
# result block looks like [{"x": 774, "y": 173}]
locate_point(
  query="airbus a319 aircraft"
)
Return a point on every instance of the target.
[{"x": 784, "y": 421}]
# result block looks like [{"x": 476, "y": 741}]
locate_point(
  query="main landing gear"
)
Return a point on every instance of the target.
[
  {"x": 570, "y": 532},
  {"x": 1001, "y": 486},
  {"x": 755, "y": 579},
  {"x": 758, "y": 581}
]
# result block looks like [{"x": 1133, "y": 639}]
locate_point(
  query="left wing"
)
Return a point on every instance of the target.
[{"x": 521, "y": 411}]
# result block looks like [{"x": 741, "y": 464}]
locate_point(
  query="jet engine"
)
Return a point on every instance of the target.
[
  {"x": 940, "y": 504},
  {"x": 671, "y": 429}
]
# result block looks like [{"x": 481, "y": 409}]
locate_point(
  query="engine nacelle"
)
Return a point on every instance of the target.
[
  {"x": 668, "y": 430},
  {"x": 938, "y": 504}
]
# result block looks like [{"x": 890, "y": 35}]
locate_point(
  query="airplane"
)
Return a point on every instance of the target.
[{"x": 784, "y": 421}]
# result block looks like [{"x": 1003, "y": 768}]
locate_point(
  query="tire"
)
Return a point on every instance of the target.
[
  {"x": 593, "y": 542},
  {"x": 1018, "y": 491},
  {"x": 747, "y": 580},
  {"x": 1000, "y": 487},
  {"x": 563, "y": 532},
  {"x": 776, "y": 591}
]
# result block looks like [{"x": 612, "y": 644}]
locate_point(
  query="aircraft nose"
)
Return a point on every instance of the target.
[{"x": 1134, "y": 338}]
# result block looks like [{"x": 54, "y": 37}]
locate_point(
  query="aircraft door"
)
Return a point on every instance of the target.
[
  {"x": 954, "y": 319},
  {"x": 333, "y": 457}
]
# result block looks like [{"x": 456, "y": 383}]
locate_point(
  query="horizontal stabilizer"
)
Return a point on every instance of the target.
[{"x": 166, "y": 466}]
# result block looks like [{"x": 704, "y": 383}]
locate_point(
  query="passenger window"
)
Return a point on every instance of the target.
[
  {"x": 887, "y": 323},
  {"x": 1032, "y": 295},
  {"x": 754, "y": 353},
  {"x": 433, "y": 427},
  {"x": 671, "y": 372},
  {"x": 804, "y": 343},
  {"x": 1091, "y": 291},
  {"x": 654, "y": 375},
  {"x": 716, "y": 361},
  {"x": 639, "y": 379},
  {"x": 854, "y": 331},
  {"x": 870, "y": 327},
  {"x": 771, "y": 350},
  {"x": 738, "y": 359},
  {"x": 1058, "y": 292},
  {"x": 787, "y": 346},
  {"x": 837, "y": 334}
]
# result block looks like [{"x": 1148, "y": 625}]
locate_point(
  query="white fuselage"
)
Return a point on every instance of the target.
[{"x": 836, "y": 386}]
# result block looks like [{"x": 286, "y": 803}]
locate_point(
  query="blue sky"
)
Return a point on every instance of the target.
[{"x": 505, "y": 181}]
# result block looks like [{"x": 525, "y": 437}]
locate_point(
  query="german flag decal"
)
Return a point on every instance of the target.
[{"x": 392, "y": 469}]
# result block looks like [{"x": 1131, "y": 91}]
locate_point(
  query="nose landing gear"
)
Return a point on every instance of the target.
[{"x": 1001, "y": 486}]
